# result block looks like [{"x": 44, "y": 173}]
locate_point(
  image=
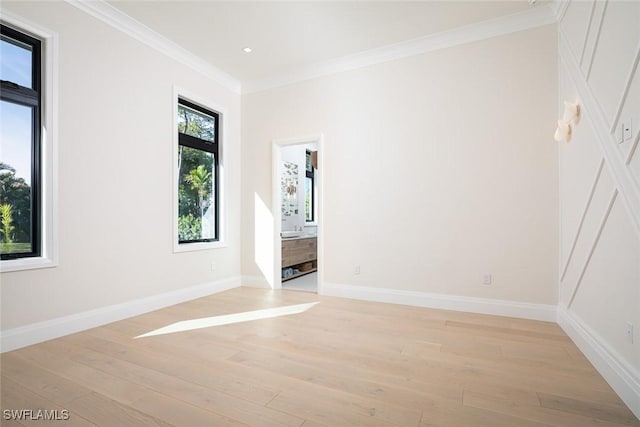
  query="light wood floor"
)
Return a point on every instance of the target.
[{"x": 341, "y": 363}]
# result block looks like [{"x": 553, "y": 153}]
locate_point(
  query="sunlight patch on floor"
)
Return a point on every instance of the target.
[{"x": 227, "y": 319}]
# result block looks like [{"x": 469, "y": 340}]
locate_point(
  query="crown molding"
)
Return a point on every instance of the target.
[
  {"x": 110, "y": 15},
  {"x": 532, "y": 18}
]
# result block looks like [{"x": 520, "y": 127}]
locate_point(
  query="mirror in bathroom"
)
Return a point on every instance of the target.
[{"x": 289, "y": 188}]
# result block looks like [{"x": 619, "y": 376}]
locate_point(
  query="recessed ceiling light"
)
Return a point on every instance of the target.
[{"x": 247, "y": 50}]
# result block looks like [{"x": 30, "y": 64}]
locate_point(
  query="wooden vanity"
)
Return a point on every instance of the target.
[{"x": 300, "y": 253}]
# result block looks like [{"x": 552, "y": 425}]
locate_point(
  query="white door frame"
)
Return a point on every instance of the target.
[{"x": 276, "y": 206}]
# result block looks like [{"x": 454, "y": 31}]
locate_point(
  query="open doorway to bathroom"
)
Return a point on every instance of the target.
[{"x": 297, "y": 202}]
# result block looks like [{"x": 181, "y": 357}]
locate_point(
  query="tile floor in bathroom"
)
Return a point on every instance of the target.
[{"x": 306, "y": 283}]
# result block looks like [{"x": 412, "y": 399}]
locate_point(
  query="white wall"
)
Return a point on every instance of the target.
[
  {"x": 115, "y": 175},
  {"x": 599, "y": 193},
  {"x": 437, "y": 168}
]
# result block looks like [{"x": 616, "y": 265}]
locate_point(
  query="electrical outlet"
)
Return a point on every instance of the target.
[
  {"x": 213, "y": 266},
  {"x": 626, "y": 130},
  {"x": 356, "y": 270},
  {"x": 486, "y": 279},
  {"x": 630, "y": 332}
]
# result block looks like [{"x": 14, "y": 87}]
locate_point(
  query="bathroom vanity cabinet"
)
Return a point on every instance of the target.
[{"x": 300, "y": 253}]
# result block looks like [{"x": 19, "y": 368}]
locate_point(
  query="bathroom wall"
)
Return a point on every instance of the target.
[
  {"x": 437, "y": 169},
  {"x": 600, "y": 189}
]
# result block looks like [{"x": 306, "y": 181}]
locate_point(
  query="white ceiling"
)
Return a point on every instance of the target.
[{"x": 291, "y": 35}]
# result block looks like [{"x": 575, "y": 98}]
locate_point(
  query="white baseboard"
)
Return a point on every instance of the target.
[
  {"x": 622, "y": 377},
  {"x": 442, "y": 301},
  {"x": 34, "y": 333},
  {"x": 255, "y": 282}
]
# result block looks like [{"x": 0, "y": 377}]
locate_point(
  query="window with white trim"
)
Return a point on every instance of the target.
[
  {"x": 198, "y": 169},
  {"x": 28, "y": 139},
  {"x": 20, "y": 132}
]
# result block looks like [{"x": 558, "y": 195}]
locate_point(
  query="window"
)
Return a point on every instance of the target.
[
  {"x": 20, "y": 132},
  {"x": 198, "y": 174},
  {"x": 309, "y": 185}
]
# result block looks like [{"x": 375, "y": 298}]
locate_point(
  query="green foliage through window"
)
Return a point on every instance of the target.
[
  {"x": 15, "y": 212},
  {"x": 195, "y": 193},
  {"x": 195, "y": 123},
  {"x": 197, "y": 174}
]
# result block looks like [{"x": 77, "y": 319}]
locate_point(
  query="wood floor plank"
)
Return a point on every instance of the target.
[
  {"x": 223, "y": 404},
  {"x": 179, "y": 342},
  {"x": 590, "y": 409},
  {"x": 533, "y": 412},
  {"x": 111, "y": 386},
  {"x": 511, "y": 393},
  {"x": 310, "y": 423},
  {"x": 11, "y": 423},
  {"x": 435, "y": 368},
  {"x": 359, "y": 393},
  {"x": 340, "y": 363},
  {"x": 17, "y": 398},
  {"x": 459, "y": 415},
  {"x": 106, "y": 412},
  {"x": 363, "y": 379},
  {"x": 180, "y": 414},
  {"x": 472, "y": 349},
  {"x": 180, "y": 368},
  {"x": 40, "y": 381},
  {"x": 329, "y": 414},
  {"x": 122, "y": 391}
]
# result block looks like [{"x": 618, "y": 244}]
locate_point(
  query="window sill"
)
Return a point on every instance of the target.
[
  {"x": 26, "y": 264},
  {"x": 200, "y": 246}
]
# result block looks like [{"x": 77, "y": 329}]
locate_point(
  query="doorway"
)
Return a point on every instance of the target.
[{"x": 297, "y": 201}]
